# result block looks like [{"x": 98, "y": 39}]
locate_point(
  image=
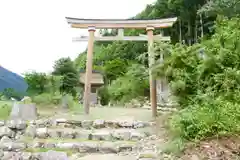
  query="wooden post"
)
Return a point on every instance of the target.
[
  {"x": 88, "y": 75},
  {"x": 151, "y": 60}
]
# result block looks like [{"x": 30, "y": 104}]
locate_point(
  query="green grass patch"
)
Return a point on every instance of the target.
[{"x": 5, "y": 109}]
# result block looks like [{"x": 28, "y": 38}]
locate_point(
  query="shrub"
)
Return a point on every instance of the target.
[
  {"x": 5, "y": 109},
  {"x": 214, "y": 117},
  {"x": 47, "y": 99},
  {"x": 131, "y": 85},
  {"x": 208, "y": 86}
]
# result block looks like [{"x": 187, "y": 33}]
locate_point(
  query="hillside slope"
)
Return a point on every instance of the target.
[{"x": 12, "y": 80}]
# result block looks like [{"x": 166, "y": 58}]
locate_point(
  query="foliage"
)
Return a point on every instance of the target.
[
  {"x": 5, "y": 109},
  {"x": 227, "y": 8},
  {"x": 131, "y": 85},
  {"x": 104, "y": 95},
  {"x": 65, "y": 67},
  {"x": 205, "y": 78},
  {"x": 47, "y": 99},
  {"x": 211, "y": 117},
  {"x": 36, "y": 82}
]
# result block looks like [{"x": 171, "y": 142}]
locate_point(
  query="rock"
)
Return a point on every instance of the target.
[
  {"x": 12, "y": 146},
  {"x": 17, "y": 124},
  {"x": 2, "y": 123},
  {"x": 108, "y": 147},
  {"x": 135, "y": 136},
  {"x": 194, "y": 157},
  {"x": 49, "y": 145},
  {"x": 98, "y": 123},
  {"x": 84, "y": 134},
  {"x": 42, "y": 132},
  {"x": 36, "y": 145},
  {"x": 44, "y": 123},
  {"x": 23, "y": 111},
  {"x": 5, "y": 131},
  {"x": 76, "y": 156},
  {"x": 112, "y": 124},
  {"x": 87, "y": 124},
  {"x": 55, "y": 133},
  {"x": 123, "y": 146},
  {"x": 151, "y": 155},
  {"x": 140, "y": 124},
  {"x": 61, "y": 120},
  {"x": 102, "y": 135},
  {"x": 26, "y": 155},
  {"x": 53, "y": 155},
  {"x": 68, "y": 134},
  {"x": 66, "y": 145},
  {"x": 31, "y": 131},
  {"x": 126, "y": 124},
  {"x": 121, "y": 134},
  {"x": 26, "y": 100},
  {"x": 7, "y": 156},
  {"x": 88, "y": 147},
  {"x": 107, "y": 157},
  {"x": 5, "y": 139},
  {"x": 1, "y": 154}
]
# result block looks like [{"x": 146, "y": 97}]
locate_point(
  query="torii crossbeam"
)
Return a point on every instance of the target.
[{"x": 120, "y": 24}]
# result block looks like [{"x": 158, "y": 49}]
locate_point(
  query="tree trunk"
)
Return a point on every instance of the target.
[
  {"x": 189, "y": 32},
  {"x": 196, "y": 30},
  {"x": 180, "y": 31},
  {"x": 201, "y": 21}
]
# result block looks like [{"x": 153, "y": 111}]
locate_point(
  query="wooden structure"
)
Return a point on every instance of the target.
[
  {"x": 96, "y": 82},
  {"x": 120, "y": 24}
]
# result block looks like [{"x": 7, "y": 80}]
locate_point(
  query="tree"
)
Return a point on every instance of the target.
[
  {"x": 37, "y": 82},
  {"x": 229, "y": 8},
  {"x": 64, "y": 67}
]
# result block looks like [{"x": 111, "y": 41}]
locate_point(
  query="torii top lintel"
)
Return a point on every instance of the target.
[{"x": 120, "y": 23}]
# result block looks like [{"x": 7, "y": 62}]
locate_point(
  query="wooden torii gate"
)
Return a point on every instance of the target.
[{"x": 120, "y": 24}]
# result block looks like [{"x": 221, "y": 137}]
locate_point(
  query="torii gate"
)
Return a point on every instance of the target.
[{"x": 120, "y": 24}]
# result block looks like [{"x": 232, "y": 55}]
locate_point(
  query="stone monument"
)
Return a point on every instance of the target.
[{"x": 24, "y": 110}]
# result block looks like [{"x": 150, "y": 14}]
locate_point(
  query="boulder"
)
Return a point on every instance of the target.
[{"x": 24, "y": 111}]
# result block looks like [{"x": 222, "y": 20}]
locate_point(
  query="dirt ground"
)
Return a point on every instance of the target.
[
  {"x": 224, "y": 148},
  {"x": 108, "y": 113}
]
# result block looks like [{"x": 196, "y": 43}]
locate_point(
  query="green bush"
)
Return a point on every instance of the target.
[
  {"x": 47, "y": 99},
  {"x": 214, "y": 117},
  {"x": 131, "y": 85},
  {"x": 207, "y": 87},
  {"x": 5, "y": 109}
]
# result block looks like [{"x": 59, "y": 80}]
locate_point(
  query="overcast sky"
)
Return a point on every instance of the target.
[{"x": 34, "y": 33}]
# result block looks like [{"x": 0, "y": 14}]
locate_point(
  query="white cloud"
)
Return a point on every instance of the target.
[{"x": 34, "y": 33}]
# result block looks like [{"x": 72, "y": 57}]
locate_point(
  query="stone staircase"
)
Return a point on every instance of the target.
[{"x": 76, "y": 140}]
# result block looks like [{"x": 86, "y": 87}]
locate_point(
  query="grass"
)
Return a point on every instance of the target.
[{"x": 5, "y": 109}]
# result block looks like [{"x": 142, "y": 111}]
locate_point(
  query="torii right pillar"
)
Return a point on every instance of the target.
[{"x": 151, "y": 61}]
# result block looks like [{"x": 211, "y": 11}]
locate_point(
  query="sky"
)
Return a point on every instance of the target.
[{"x": 35, "y": 33}]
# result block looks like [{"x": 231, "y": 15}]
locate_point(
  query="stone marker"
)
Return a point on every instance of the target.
[
  {"x": 23, "y": 111},
  {"x": 65, "y": 102}
]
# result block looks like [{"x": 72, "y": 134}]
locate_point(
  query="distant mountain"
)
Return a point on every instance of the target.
[{"x": 12, "y": 80}]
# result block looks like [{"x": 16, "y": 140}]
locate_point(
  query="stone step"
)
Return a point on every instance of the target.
[
  {"x": 62, "y": 155},
  {"x": 67, "y": 145},
  {"x": 88, "y": 124},
  {"x": 84, "y": 134}
]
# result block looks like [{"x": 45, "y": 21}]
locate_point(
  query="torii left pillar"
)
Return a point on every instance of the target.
[
  {"x": 88, "y": 73},
  {"x": 151, "y": 61}
]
